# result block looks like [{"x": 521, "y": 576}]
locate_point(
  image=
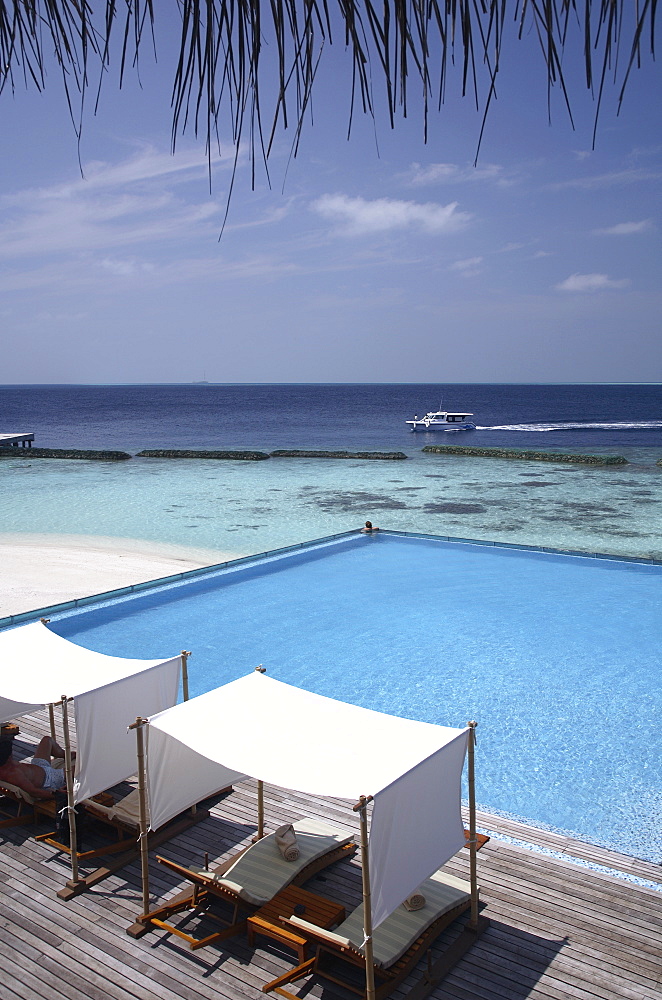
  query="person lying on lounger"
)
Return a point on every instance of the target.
[{"x": 38, "y": 778}]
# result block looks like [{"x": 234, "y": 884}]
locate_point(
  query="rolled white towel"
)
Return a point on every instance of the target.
[
  {"x": 414, "y": 902},
  {"x": 286, "y": 842}
]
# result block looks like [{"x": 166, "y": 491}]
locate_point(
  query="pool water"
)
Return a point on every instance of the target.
[{"x": 556, "y": 657}]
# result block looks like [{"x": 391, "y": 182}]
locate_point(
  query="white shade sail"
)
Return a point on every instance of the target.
[
  {"x": 38, "y": 667},
  {"x": 270, "y": 730},
  {"x": 106, "y": 749},
  {"x": 264, "y": 728}
]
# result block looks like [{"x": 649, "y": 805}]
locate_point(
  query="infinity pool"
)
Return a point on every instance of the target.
[{"x": 556, "y": 656}]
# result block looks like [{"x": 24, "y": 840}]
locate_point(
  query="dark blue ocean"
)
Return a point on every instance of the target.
[{"x": 352, "y": 417}]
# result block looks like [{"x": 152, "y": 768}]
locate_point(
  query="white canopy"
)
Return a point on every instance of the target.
[
  {"x": 39, "y": 667},
  {"x": 285, "y": 736}
]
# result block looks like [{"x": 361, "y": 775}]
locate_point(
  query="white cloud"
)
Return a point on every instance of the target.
[
  {"x": 451, "y": 173},
  {"x": 590, "y": 283},
  {"x": 148, "y": 165},
  {"x": 617, "y": 178},
  {"x": 132, "y": 202},
  {"x": 49, "y": 316},
  {"x": 358, "y": 217},
  {"x": 86, "y": 273},
  {"x": 625, "y": 228},
  {"x": 144, "y": 168},
  {"x": 510, "y": 247},
  {"x": 468, "y": 267},
  {"x": 125, "y": 268},
  {"x": 84, "y": 222}
]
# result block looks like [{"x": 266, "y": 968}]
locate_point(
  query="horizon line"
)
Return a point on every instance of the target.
[{"x": 207, "y": 384}]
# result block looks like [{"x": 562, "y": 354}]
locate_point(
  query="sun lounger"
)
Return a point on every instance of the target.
[
  {"x": 123, "y": 816},
  {"x": 398, "y": 942},
  {"x": 22, "y": 799},
  {"x": 252, "y": 878},
  {"x": 125, "y": 813}
]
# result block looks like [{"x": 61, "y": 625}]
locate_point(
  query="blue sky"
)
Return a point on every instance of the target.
[{"x": 376, "y": 259}]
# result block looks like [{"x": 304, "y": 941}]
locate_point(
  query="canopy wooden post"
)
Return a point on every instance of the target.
[
  {"x": 69, "y": 777},
  {"x": 360, "y": 807},
  {"x": 260, "y": 810},
  {"x": 138, "y": 725},
  {"x": 185, "y": 655},
  {"x": 51, "y": 720},
  {"x": 473, "y": 922}
]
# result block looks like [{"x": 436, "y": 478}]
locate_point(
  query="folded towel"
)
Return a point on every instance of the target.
[
  {"x": 414, "y": 902},
  {"x": 286, "y": 842}
]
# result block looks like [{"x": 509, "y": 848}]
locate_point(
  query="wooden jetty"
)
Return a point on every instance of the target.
[
  {"x": 557, "y": 929},
  {"x": 14, "y": 440}
]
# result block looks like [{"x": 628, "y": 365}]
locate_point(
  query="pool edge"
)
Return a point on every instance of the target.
[{"x": 80, "y": 602}]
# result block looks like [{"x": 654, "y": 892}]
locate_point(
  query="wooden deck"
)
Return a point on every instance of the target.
[{"x": 557, "y": 930}]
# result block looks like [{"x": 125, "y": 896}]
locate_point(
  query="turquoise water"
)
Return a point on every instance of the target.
[
  {"x": 555, "y": 656},
  {"x": 246, "y": 507}
]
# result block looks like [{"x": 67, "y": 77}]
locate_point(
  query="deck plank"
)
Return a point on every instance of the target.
[{"x": 559, "y": 931}]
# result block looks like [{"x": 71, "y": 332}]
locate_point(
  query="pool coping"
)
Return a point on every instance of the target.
[{"x": 191, "y": 574}]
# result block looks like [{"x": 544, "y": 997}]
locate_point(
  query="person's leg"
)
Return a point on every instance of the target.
[{"x": 48, "y": 748}]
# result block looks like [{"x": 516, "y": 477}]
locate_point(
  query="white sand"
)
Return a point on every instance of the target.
[{"x": 40, "y": 570}]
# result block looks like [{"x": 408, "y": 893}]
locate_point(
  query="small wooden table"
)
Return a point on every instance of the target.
[{"x": 317, "y": 910}]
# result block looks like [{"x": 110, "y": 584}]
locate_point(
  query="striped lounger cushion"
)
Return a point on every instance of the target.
[
  {"x": 393, "y": 937},
  {"x": 261, "y": 872}
]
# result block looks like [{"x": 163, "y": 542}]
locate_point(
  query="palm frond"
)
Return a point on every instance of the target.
[{"x": 256, "y": 61}]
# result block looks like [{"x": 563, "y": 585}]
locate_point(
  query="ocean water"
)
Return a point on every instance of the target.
[
  {"x": 248, "y": 507},
  {"x": 352, "y": 417}
]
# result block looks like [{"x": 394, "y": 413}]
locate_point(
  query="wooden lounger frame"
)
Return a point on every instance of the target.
[
  {"x": 206, "y": 889},
  {"x": 329, "y": 959},
  {"x": 125, "y": 848},
  {"x": 25, "y": 808},
  {"x": 127, "y": 833},
  {"x": 156, "y": 839}
]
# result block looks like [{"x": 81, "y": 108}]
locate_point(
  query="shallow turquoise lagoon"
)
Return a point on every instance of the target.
[
  {"x": 249, "y": 507},
  {"x": 556, "y": 656}
]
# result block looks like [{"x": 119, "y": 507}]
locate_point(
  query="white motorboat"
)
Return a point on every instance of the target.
[{"x": 442, "y": 420}]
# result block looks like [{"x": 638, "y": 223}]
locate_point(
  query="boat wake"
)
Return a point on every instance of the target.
[{"x": 621, "y": 425}]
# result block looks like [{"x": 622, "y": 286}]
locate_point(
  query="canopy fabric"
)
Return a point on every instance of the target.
[
  {"x": 38, "y": 667},
  {"x": 264, "y": 728},
  {"x": 178, "y": 777},
  {"x": 270, "y": 730},
  {"x": 106, "y": 749},
  {"x": 416, "y": 827}
]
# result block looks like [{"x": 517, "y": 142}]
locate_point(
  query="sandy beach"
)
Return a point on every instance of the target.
[{"x": 41, "y": 570}]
